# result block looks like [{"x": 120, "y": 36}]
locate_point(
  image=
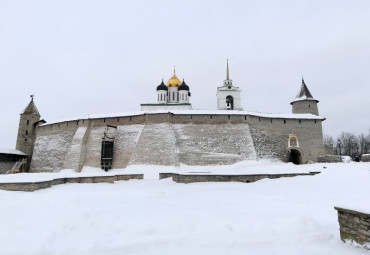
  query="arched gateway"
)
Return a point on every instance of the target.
[{"x": 295, "y": 156}]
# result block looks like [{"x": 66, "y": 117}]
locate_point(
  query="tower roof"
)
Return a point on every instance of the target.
[
  {"x": 174, "y": 81},
  {"x": 304, "y": 93},
  {"x": 31, "y": 108}
]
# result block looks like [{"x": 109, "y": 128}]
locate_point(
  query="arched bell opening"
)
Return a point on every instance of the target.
[
  {"x": 230, "y": 103},
  {"x": 295, "y": 156}
]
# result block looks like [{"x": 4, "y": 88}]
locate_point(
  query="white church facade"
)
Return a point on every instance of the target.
[{"x": 173, "y": 96}]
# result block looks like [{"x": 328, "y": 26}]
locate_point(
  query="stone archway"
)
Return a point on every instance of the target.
[{"x": 295, "y": 156}]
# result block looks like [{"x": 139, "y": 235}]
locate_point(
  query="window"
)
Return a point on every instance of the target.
[
  {"x": 284, "y": 121},
  {"x": 228, "y": 116},
  {"x": 245, "y": 117},
  {"x": 28, "y": 122},
  {"x": 299, "y": 121},
  {"x": 26, "y": 132},
  {"x": 271, "y": 120}
]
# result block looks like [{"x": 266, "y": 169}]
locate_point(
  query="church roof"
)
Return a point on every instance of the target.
[
  {"x": 31, "y": 108},
  {"x": 162, "y": 86},
  {"x": 183, "y": 86},
  {"x": 174, "y": 81}
]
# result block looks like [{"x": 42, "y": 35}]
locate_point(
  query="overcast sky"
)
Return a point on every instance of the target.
[{"x": 95, "y": 56}]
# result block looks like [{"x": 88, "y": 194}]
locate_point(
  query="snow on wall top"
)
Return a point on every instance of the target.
[
  {"x": 192, "y": 112},
  {"x": 11, "y": 151}
]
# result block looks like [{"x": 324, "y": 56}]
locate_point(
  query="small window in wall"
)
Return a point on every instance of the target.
[
  {"x": 26, "y": 132},
  {"x": 28, "y": 122},
  {"x": 315, "y": 121},
  {"x": 211, "y": 116},
  {"x": 299, "y": 121},
  {"x": 284, "y": 121},
  {"x": 130, "y": 118},
  {"x": 259, "y": 119},
  {"x": 104, "y": 119},
  {"x": 25, "y": 139},
  {"x": 191, "y": 117},
  {"x": 271, "y": 120},
  {"x": 117, "y": 119},
  {"x": 83, "y": 121},
  {"x": 228, "y": 116},
  {"x": 309, "y": 106},
  {"x": 245, "y": 117}
]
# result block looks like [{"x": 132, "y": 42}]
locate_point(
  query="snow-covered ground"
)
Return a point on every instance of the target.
[{"x": 272, "y": 216}]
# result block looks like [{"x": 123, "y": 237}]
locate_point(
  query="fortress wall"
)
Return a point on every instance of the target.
[
  {"x": 168, "y": 139},
  {"x": 214, "y": 144},
  {"x": 156, "y": 145},
  {"x": 125, "y": 143},
  {"x": 51, "y": 147},
  {"x": 271, "y": 138},
  {"x": 77, "y": 151}
]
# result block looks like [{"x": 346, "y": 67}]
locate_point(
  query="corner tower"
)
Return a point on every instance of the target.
[
  {"x": 228, "y": 96},
  {"x": 304, "y": 101},
  {"x": 28, "y": 121}
]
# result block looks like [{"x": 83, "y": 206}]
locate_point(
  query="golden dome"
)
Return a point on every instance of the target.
[{"x": 174, "y": 81}]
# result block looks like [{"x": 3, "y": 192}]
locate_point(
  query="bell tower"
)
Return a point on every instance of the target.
[{"x": 228, "y": 96}]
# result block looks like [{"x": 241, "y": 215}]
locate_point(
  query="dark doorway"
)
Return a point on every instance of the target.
[
  {"x": 230, "y": 103},
  {"x": 295, "y": 157}
]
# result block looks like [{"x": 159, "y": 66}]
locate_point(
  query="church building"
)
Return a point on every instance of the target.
[{"x": 173, "y": 96}]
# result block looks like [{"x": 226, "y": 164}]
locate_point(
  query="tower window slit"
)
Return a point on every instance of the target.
[
  {"x": 284, "y": 121},
  {"x": 26, "y": 132},
  {"x": 271, "y": 120},
  {"x": 117, "y": 119},
  {"x": 245, "y": 117},
  {"x": 28, "y": 122},
  {"x": 299, "y": 121},
  {"x": 228, "y": 116}
]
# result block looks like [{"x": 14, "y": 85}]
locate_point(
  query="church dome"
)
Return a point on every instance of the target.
[
  {"x": 183, "y": 86},
  {"x": 162, "y": 87},
  {"x": 174, "y": 81}
]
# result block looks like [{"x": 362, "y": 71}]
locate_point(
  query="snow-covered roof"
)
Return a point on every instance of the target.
[
  {"x": 304, "y": 93},
  {"x": 11, "y": 151},
  {"x": 192, "y": 112}
]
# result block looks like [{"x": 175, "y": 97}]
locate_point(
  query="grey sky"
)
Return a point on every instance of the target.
[{"x": 84, "y": 57}]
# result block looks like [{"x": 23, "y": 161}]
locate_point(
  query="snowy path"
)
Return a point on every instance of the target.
[{"x": 282, "y": 216}]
